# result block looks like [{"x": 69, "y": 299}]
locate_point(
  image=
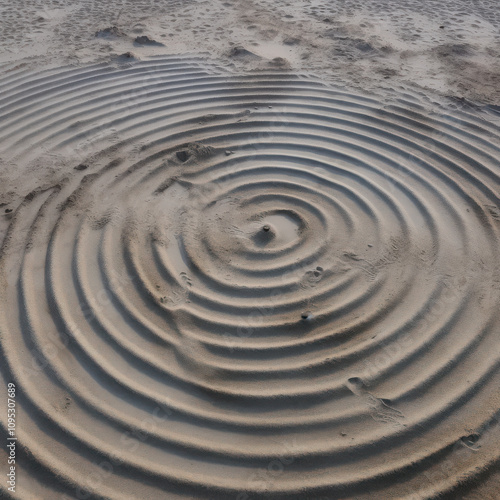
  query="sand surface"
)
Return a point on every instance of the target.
[{"x": 250, "y": 250}]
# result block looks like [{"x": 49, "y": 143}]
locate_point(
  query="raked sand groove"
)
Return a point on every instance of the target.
[{"x": 257, "y": 287}]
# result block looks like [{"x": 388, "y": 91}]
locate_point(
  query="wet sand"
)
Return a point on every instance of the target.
[{"x": 253, "y": 255}]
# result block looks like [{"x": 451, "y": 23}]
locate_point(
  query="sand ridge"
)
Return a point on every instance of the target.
[{"x": 249, "y": 285}]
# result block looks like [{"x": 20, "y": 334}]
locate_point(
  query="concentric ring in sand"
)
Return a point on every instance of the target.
[{"x": 251, "y": 287}]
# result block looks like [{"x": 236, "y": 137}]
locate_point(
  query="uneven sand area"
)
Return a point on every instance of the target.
[{"x": 250, "y": 250}]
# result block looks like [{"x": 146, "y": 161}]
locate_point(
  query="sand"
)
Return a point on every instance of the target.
[{"x": 250, "y": 250}]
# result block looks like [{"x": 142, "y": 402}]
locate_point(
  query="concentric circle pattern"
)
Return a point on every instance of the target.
[{"x": 249, "y": 286}]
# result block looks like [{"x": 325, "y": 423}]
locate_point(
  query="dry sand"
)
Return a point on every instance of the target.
[{"x": 251, "y": 249}]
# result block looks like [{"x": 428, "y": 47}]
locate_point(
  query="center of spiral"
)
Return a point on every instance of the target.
[{"x": 280, "y": 228}]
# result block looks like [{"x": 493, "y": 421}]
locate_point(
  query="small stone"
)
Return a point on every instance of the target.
[
  {"x": 81, "y": 167},
  {"x": 8, "y": 210},
  {"x": 304, "y": 316},
  {"x": 228, "y": 152},
  {"x": 266, "y": 228}
]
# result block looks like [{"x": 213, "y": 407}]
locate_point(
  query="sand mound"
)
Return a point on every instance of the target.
[
  {"x": 258, "y": 287},
  {"x": 145, "y": 40}
]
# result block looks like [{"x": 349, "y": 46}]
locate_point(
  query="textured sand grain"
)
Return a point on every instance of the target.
[{"x": 231, "y": 276}]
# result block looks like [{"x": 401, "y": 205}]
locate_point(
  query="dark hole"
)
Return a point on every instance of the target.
[{"x": 183, "y": 155}]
